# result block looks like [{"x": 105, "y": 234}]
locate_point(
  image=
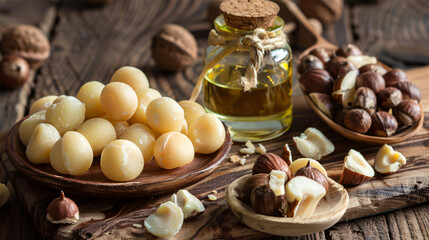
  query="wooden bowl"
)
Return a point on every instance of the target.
[
  {"x": 152, "y": 181},
  {"x": 358, "y": 137},
  {"x": 329, "y": 211}
]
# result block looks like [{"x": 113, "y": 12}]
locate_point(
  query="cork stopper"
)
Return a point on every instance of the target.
[{"x": 249, "y": 14}]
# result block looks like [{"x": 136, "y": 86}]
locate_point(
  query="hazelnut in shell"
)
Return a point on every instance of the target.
[
  {"x": 348, "y": 50},
  {"x": 174, "y": 48},
  {"x": 322, "y": 54},
  {"x": 357, "y": 120},
  {"x": 409, "y": 90},
  {"x": 309, "y": 61},
  {"x": 314, "y": 174},
  {"x": 317, "y": 80},
  {"x": 408, "y": 112},
  {"x": 394, "y": 76},
  {"x": 356, "y": 169},
  {"x": 389, "y": 97},
  {"x": 383, "y": 124},
  {"x": 335, "y": 63},
  {"x": 371, "y": 80},
  {"x": 62, "y": 210},
  {"x": 252, "y": 182},
  {"x": 14, "y": 71},
  {"x": 372, "y": 67},
  {"x": 366, "y": 99},
  {"x": 263, "y": 200},
  {"x": 267, "y": 162}
]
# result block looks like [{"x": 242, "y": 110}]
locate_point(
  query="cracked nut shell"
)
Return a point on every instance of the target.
[
  {"x": 408, "y": 112},
  {"x": 383, "y": 124},
  {"x": 357, "y": 120},
  {"x": 389, "y": 97},
  {"x": 366, "y": 99}
]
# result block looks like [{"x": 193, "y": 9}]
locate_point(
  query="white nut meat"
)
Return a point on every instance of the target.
[
  {"x": 166, "y": 222},
  {"x": 303, "y": 194},
  {"x": 388, "y": 160},
  {"x": 313, "y": 144},
  {"x": 190, "y": 205}
]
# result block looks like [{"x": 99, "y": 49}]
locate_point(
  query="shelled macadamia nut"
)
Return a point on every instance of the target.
[
  {"x": 72, "y": 154},
  {"x": 28, "y": 125},
  {"x": 66, "y": 115},
  {"x": 144, "y": 96},
  {"x": 192, "y": 110},
  {"x": 132, "y": 76},
  {"x": 89, "y": 94},
  {"x": 165, "y": 115},
  {"x": 120, "y": 126},
  {"x": 99, "y": 132},
  {"x": 119, "y": 101},
  {"x": 207, "y": 133},
  {"x": 143, "y": 137},
  {"x": 121, "y": 160},
  {"x": 42, "y": 104},
  {"x": 173, "y": 150},
  {"x": 42, "y": 139}
]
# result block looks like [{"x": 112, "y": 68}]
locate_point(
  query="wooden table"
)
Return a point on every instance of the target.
[{"x": 90, "y": 43}]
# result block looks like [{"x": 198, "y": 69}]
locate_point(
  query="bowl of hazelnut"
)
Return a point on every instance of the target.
[{"x": 359, "y": 97}]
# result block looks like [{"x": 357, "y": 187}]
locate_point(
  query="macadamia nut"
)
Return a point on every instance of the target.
[
  {"x": 207, "y": 133},
  {"x": 89, "y": 94},
  {"x": 99, "y": 132},
  {"x": 42, "y": 139},
  {"x": 192, "y": 110},
  {"x": 66, "y": 115},
  {"x": 120, "y": 126},
  {"x": 144, "y": 96},
  {"x": 119, "y": 101},
  {"x": 121, "y": 160},
  {"x": 132, "y": 76},
  {"x": 28, "y": 125},
  {"x": 42, "y": 104},
  {"x": 165, "y": 115},
  {"x": 143, "y": 137},
  {"x": 72, "y": 154},
  {"x": 173, "y": 150}
]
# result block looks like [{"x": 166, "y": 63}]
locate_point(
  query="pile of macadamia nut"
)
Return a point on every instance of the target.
[
  {"x": 125, "y": 122},
  {"x": 357, "y": 92}
]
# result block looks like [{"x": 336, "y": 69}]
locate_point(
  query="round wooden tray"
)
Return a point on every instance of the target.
[
  {"x": 152, "y": 181},
  {"x": 328, "y": 212}
]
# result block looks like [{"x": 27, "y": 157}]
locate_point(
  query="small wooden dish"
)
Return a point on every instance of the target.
[
  {"x": 152, "y": 181},
  {"x": 329, "y": 211}
]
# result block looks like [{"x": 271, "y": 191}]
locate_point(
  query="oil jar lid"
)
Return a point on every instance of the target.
[{"x": 249, "y": 14}]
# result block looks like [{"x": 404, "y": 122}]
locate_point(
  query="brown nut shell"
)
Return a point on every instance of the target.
[
  {"x": 309, "y": 61},
  {"x": 317, "y": 80},
  {"x": 14, "y": 71},
  {"x": 314, "y": 174},
  {"x": 348, "y": 50},
  {"x": 408, "y": 112},
  {"x": 389, "y": 98},
  {"x": 371, "y": 68},
  {"x": 394, "y": 77},
  {"x": 371, "y": 80},
  {"x": 349, "y": 177},
  {"x": 261, "y": 179},
  {"x": 62, "y": 210},
  {"x": 357, "y": 120},
  {"x": 383, "y": 124},
  {"x": 286, "y": 154},
  {"x": 263, "y": 200},
  {"x": 366, "y": 99},
  {"x": 267, "y": 162},
  {"x": 322, "y": 54},
  {"x": 409, "y": 90}
]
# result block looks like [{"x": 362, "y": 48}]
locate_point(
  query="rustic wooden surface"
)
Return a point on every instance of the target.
[{"x": 90, "y": 43}]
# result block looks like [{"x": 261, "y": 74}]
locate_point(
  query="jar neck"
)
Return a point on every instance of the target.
[{"x": 222, "y": 28}]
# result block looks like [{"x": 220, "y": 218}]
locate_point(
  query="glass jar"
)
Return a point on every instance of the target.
[{"x": 264, "y": 112}]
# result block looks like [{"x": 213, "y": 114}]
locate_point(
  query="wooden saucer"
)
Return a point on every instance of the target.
[{"x": 152, "y": 181}]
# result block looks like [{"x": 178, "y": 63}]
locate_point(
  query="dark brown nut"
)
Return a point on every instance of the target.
[
  {"x": 357, "y": 120},
  {"x": 317, "y": 80},
  {"x": 389, "y": 97},
  {"x": 335, "y": 63},
  {"x": 314, "y": 174},
  {"x": 372, "y": 68},
  {"x": 409, "y": 90},
  {"x": 371, "y": 80},
  {"x": 263, "y": 201},
  {"x": 348, "y": 50},
  {"x": 261, "y": 179},
  {"x": 309, "y": 61},
  {"x": 62, "y": 210},
  {"x": 174, "y": 48},
  {"x": 366, "y": 99},
  {"x": 27, "y": 42},
  {"x": 327, "y": 12},
  {"x": 394, "y": 76},
  {"x": 322, "y": 54},
  {"x": 408, "y": 112},
  {"x": 339, "y": 117},
  {"x": 383, "y": 124},
  {"x": 14, "y": 71},
  {"x": 325, "y": 103},
  {"x": 267, "y": 162},
  {"x": 286, "y": 154},
  {"x": 282, "y": 206}
]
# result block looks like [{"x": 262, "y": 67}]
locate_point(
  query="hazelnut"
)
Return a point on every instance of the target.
[
  {"x": 263, "y": 200},
  {"x": 388, "y": 161},
  {"x": 327, "y": 12},
  {"x": 322, "y": 54},
  {"x": 366, "y": 99},
  {"x": 325, "y": 103},
  {"x": 62, "y": 210},
  {"x": 252, "y": 182},
  {"x": 335, "y": 63},
  {"x": 286, "y": 154},
  {"x": 267, "y": 162},
  {"x": 303, "y": 200},
  {"x": 344, "y": 88},
  {"x": 317, "y": 80},
  {"x": 383, "y": 124},
  {"x": 357, "y": 120},
  {"x": 27, "y": 42},
  {"x": 389, "y": 98},
  {"x": 348, "y": 50},
  {"x": 174, "y": 48},
  {"x": 394, "y": 76},
  {"x": 409, "y": 90},
  {"x": 309, "y": 61},
  {"x": 14, "y": 71},
  {"x": 372, "y": 67},
  {"x": 356, "y": 169},
  {"x": 341, "y": 68},
  {"x": 371, "y": 80},
  {"x": 408, "y": 112},
  {"x": 166, "y": 221},
  {"x": 313, "y": 144},
  {"x": 314, "y": 174}
]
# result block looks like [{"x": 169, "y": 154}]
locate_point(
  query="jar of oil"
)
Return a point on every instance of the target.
[{"x": 264, "y": 112}]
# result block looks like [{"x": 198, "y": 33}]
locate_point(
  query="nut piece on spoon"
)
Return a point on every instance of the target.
[
  {"x": 190, "y": 205},
  {"x": 388, "y": 161},
  {"x": 166, "y": 222},
  {"x": 62, "y": 210},
  {"x": 356, "y": 169},
  {"x": 313, "y": 144},
  {"x": 303, "y": 194},
  {"x": 314, "y": 174},
  {"x": 277, "y": 182}
]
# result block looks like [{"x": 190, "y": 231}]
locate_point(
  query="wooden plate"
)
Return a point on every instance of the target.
[
  {"x": 329, "y": 211},
  {"x": 152, "y": 181}
]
